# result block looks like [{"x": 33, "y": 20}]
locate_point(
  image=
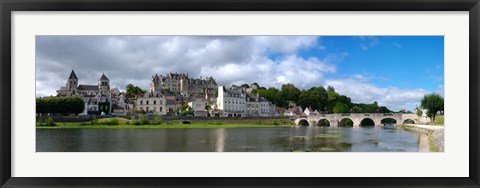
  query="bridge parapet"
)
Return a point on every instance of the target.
[{"x": 357, "y": 118}]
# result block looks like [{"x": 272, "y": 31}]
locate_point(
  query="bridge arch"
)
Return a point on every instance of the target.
[
  {"x": 389, "y": 120},
  {"x": 323, "y": 123},
  {"x": 303, "y": 122},
  {"x": 367, "y": 122},
  {"x": 345, "y": 122},
  {"x": 408, "y": 121}
]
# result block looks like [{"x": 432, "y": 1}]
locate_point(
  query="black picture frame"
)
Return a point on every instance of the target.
[{"x": 7, "y": 6}]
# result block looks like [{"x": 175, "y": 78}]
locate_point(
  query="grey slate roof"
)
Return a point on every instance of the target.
[
  {"x": 233, "y": 89},
  {"x": 104, "y": 77},
  {"x": 88, "y": 87},
  {"x": 73, "y": 75}
]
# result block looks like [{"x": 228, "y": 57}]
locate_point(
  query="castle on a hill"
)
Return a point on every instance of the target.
[{"x": 181, "y": 83}]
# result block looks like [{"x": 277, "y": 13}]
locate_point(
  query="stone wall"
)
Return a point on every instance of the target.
[
  {"x": 81, "y": 118},
  {"x": 435, "y": 133}
]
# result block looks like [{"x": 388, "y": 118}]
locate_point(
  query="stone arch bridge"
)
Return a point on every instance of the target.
[{"x": 357, "y": 118}]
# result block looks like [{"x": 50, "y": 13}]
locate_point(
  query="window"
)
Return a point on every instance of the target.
[
  {"x": 141, "y": 102},
  {"x": 147, "y": 103},
  {"x": 154, "y": 101},
  {"x": 147, "y": 109},
  {"x": 160, "y": 109}
]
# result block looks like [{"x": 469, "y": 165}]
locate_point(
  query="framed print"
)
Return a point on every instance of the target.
[{"x": 238, "y": 93}]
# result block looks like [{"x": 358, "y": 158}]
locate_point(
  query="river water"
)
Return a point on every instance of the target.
[{"x": 275, "y": 139}]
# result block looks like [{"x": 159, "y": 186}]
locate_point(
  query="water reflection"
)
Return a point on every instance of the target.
[
  {"x": 220, "y": 134},
  {"x": 279, "y": 139}
]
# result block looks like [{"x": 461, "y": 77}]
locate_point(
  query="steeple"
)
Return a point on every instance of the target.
[
  {"x": 72, "y": 84},
  {"x": 73, "y": 75},
  {"x": 103, "y": 85},
  {"x": 104, "y": 78}
]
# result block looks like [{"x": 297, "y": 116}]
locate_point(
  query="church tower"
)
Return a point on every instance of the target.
[
  {"x": 103, "y": 85},
  {"x": 72, "y": 84}
]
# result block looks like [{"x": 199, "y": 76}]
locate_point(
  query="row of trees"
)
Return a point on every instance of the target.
[
  {"x": 59, "y": 105},
  {"x": 319, "y": 98}
]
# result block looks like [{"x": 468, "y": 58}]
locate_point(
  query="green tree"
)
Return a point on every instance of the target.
[
  {"x": 134, "y": 90},
  {"x": 340, "y": 108},
  {"x": 357, "y": 109},
  {"x": 61, "y": 105},
  {"x": 289, "y": 92},
  {"x": 433, "y": 103}
]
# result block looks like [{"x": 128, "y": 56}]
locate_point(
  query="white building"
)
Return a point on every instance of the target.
[
  {"x": 152, "y": 102},
  {"x": 231, "y": 101},
  {"x": 198, "y": 105},
  {"x": 424, "y": 118},
  {"x": 308, "y": 111}
]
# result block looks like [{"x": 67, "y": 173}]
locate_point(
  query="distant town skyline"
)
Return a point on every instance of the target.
[{"x": 395, "y": 71}]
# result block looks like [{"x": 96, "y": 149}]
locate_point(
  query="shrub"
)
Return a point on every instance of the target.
[
  {"x": 275, "y": 122},
  {"x": 95, "y": 121},
  {"x": 157, "y": 120},
  {"x": 132, "y": 120},
  {"x": 49, "y": 122},
  {"x": 113, "y": 121},
  {"x": 143, "y": 120},
  {"x": 187, "y": 112}
]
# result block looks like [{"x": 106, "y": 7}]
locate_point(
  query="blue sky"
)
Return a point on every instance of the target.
[
  {"x": 401, "y": 61},
  {"x": 395, "y": 71},
  {"x": 407, "y": 62}
]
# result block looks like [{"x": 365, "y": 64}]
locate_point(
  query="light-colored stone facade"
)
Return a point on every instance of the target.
[
  {"x": 155, "y": 103},
  {"x": 181, "y": 83},
  {"x": 231, "y": 101}
]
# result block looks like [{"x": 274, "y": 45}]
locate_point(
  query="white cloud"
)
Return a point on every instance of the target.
[
  {"x": 268, "y": 60},
  {"x": 133, "y": 59},
  {"x": 304, "y": 73},
  {"x": 391, "y": 97}
]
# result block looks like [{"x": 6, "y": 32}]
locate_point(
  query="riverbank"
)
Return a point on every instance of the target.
[
  {"x": 161, "y": 126},
  {"x": 432, "y": 137},
  {"x": 144, "y": 122}
]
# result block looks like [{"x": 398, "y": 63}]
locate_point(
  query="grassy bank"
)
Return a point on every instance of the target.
[
  {"x": 439, "y": 120},
  {"x": 143, "y": 122},
  {"x": 125, "y": 126}
]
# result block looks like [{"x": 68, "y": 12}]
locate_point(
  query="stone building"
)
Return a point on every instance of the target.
[
  {"x": 97, "y": 97},
  {"x": 181, "y": 83},
  {"x": 259, "y": 106},
  {"x": 231, "y": 101},
  {"x": 154, "y": 102},
  {"x": 73, "y": 88}
]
